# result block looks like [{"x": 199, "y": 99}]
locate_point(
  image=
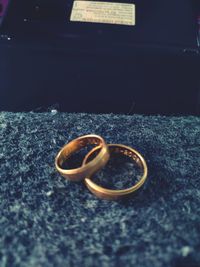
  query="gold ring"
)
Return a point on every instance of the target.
[
  {"x": 88, "y": 169},
  {"x": 116, "y": 194}
]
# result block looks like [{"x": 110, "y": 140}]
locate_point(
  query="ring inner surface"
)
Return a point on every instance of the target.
[
  {"x": 75, "y": 151},
  {"x": 123, "y": 170}
]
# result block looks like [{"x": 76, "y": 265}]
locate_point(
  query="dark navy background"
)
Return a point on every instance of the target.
[{"x": 46, "y": 60}]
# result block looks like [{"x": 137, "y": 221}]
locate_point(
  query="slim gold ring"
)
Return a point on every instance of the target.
[
  {"x": 116, "y": 194},
  {"x": 88, "y": 169}
]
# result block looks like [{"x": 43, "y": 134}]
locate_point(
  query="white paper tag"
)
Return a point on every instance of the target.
[{"x": 103, "y": 12}]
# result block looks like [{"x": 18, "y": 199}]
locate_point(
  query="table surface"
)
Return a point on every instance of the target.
[{"x": 48, "y": 221}]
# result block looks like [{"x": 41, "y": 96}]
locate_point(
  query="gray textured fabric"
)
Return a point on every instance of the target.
[{"x": 48, "y": 221}]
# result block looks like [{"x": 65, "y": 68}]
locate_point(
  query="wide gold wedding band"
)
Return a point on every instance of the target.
[
  {"x": 89, "y": 168},
  {"x": 95, "y": 160},
  {"x": 117, "y": 194}
]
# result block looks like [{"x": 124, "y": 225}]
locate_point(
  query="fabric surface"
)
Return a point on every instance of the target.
[{"x": 48, "y": 221}]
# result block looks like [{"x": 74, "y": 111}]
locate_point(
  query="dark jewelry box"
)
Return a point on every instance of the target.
[{"x": 46, "y": 60}]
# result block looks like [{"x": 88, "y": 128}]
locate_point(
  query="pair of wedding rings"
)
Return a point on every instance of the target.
[{"x": 90, "y": 167}]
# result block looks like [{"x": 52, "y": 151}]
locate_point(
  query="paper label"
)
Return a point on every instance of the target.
[{"x": 103, "y": 12}]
